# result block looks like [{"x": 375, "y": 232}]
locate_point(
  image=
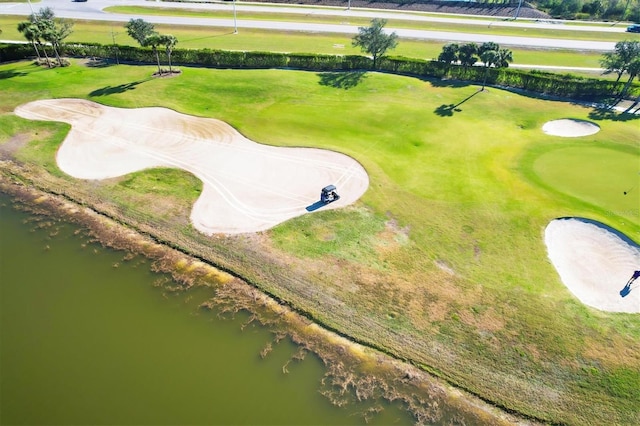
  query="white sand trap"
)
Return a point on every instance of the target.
[
  {"x": 247, "y": 187},
  {"x": 570, "y": 128},
  {"x": 595, "y": 263}
]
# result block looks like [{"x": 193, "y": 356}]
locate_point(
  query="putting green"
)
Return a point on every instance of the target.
[{"x": 604, "y": 177}]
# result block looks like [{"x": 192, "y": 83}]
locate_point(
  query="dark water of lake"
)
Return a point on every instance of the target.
[{"x": 86, "y": 338}]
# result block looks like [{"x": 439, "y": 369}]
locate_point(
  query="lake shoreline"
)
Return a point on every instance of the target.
[{"x": 349, "y": 363}]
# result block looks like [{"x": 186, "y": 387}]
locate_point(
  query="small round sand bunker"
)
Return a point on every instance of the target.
[
  {"x": 595, "y": 262},
  {"x": 570, "y": 128}
]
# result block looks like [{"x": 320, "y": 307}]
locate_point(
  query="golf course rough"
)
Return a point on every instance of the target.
[{"x": 472, "y": 191}]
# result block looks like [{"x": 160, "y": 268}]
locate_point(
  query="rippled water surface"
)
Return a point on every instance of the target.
[{"x": 87, "y": 338}]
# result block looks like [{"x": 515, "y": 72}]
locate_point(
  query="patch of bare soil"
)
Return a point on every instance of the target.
[{"x": 9, "y": 148}]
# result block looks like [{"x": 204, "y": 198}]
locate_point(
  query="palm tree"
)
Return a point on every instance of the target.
[
  {"x": 620, "y": 61},
  {"x": 41, "y": 26},
  {"x": 169, "y": 42},
  {"x": 449, "y": 53},
  {"x": 153, "y": 41},
  {"x": 504, "y": 57},
  {"x": 467, "y": 54},
  {"x": 633, "y": 69},
  {"x": 54, "y": 34},
  {"x": 489, "y": 45},
  {"x": 33, "y": 31},
  {"x": 489, "y": 58},
  {"x": 30, "y": 32},
  {"x": 611, "y": 62}
]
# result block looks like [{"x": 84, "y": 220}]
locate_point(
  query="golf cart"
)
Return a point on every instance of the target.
[{"x": 329, "y": 194}]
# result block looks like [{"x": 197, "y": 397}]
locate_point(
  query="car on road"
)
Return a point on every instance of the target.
[{"x": 635, "y": 28}]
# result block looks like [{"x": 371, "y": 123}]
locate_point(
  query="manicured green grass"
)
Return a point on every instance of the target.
[
  {"x": 391, "y": 23},
  {"x": 606, "y": 178},
  {"x": 164, "y": 182},
  {"x": 442, "y": 261},
  {"x": 168, "y": 193}
]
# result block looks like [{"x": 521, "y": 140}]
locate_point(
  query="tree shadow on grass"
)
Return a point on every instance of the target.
[
  {"x": 444, "y": 82},
  {"x": 113, "y": 90},
  {"x": 342, "y": 79},
  {"x": 445, "y": 110},
  {"x": 603, "y": 109},
  {"x": 608, "y": 113},
  {"x": 5, "y": 74}
]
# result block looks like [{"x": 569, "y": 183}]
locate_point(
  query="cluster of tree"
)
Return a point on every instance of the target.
[
  {"x": 43, "y": 30},
  {"x": 144, "y": 33},
  {"x": 591, "y": 9},
  {"x": 625, "y": 59},
  {"x": 468, "y": 54}
]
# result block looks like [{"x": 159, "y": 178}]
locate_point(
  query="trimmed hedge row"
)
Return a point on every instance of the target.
[
  {"x": 15, "y": 52},
  {"x": 546, "y": 83}
]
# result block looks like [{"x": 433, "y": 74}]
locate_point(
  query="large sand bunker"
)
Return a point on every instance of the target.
[
  {"x": 595, "y": 262},
  {"x": 570, "y": 128},
  {"x": 247, "y": 187}
]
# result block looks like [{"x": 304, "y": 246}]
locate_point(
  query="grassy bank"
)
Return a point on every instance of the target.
[{"x": 442, "y": 261}]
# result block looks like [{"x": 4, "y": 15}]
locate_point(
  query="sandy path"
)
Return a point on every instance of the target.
[
  {"x": 247, "y": 187},
  {"x": 594, "y": 263}
]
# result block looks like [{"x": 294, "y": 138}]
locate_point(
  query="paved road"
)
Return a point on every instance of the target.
[{"x": 92, "y": 10}]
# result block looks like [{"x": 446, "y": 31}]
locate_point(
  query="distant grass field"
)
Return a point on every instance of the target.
[
  {"x": 442, "y": 262},
  {"x": 223, "y": 38},
  {"x": 391, "y": 23}
]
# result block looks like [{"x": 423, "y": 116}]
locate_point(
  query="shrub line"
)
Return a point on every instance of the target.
[{"x": 535, "y": 81}]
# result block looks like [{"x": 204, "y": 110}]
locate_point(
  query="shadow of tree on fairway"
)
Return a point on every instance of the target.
[
  {"x": 5, "y": 74},
  {"x": 445, "y": 110},
  {"x": 342, "y": 79},
  {"x": 608, "y": 113},
  {"x": 444, "y": 82},
  {"x": 112, "y": 90}
]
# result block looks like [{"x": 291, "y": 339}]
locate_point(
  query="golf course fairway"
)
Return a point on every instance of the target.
[{"x": 441, "y": 263}]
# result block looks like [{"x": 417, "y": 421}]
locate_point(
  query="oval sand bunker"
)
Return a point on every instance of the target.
[
  {"x": 247, "y": 186},
  {"x": 570, "y": 128},
  {"x": 595, "y": 263}
]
